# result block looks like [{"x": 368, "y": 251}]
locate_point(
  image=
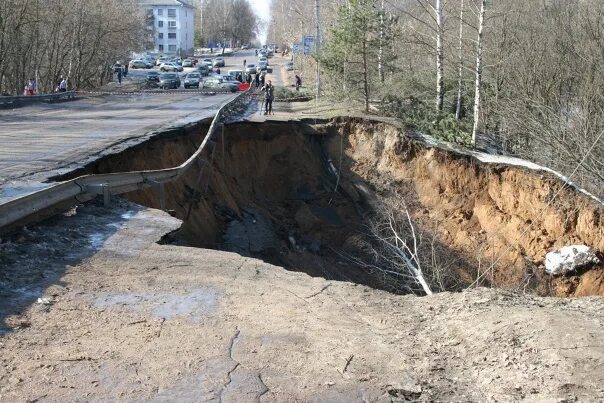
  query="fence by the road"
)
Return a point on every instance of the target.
[
  {"x": 17, "y": 101},
  {"x": 87, "y": 187}
]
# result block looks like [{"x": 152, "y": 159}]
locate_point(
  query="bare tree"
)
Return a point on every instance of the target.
[
  {"x": 478, "y": 85},
  {"x": 440, "y": 77},
  {"x": 461, "y": 56}
]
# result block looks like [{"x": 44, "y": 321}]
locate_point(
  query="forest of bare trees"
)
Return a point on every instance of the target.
[
  {"x": 227, "y": 21},
  {"x": 77, "y": 39},
  {"x": 517, "y": 77}
]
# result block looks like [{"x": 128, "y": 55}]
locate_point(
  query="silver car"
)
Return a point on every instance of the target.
[
  {"x": 220, "y": 83},
  {"x": 250, "y": 69},
  {"x": 261, "y": 66}
]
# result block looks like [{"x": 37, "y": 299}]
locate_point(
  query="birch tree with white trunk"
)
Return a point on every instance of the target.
[
  {"x": 460, "y": 72},
  {"x": 478, "y": 84},
  {"x": 440, "y": 56}
]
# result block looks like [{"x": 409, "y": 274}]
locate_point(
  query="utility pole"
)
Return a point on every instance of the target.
[{"x": 317, "y": 47}]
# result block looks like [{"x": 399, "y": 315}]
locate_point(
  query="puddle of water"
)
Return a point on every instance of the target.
[{"x": 196, "y": 305}]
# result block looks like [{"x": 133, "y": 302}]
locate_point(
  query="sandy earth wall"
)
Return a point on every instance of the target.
[{"x": 489, "y": 212}]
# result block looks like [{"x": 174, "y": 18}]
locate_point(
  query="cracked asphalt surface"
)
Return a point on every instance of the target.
[{"x": 93, "y": 309}]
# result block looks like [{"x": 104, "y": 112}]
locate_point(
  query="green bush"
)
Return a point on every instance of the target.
[
  {"x": 284, "y": 93},
  {"x": 420, "y": 115}
]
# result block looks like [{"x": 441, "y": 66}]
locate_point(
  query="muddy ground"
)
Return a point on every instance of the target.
[{"x": 120, "y": 317}]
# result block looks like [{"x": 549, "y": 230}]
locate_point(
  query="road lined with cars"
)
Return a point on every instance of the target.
[{"x": 224, "y": 73}]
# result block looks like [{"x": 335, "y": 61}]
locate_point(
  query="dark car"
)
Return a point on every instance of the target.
[
  {"x": 153, "y": 76},
  {"x": 203, "y": 69},
  {"x": 169, "y": 80},
  {"x": 192, "y": 80}
]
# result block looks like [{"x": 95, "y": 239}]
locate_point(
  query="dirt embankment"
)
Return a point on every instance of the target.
[
  {"x": 500, "y": 217},
  {"x": 268, "y": 191}
]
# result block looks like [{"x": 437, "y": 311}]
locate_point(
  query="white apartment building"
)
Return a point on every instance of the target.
[{"x": 170, "y": 25}]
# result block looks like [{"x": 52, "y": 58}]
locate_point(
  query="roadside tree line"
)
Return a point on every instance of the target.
[
  {"x": 226, "y": 22},
  {"x": 76, "y": 39},
  {"x": 516, "y": 77}
]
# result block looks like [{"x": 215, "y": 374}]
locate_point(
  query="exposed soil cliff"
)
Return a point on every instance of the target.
[
  {"x": 497, "y": 215},
  {"x": 268, "y": 191}
]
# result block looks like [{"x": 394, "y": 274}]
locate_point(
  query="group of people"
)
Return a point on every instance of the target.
[{"x": 31, "y": 88}]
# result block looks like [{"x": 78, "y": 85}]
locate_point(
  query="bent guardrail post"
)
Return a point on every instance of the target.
[{"x": 87, "y": 187}]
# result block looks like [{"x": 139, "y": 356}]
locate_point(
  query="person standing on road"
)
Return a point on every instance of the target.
[
  {"x": 126, "y": 70},
  {"x": 63, "y": 85},
  {"x": 298, "y": 82},
  {"x": 269, "y": 96},
  {"x": 119, "y": 75},
  {"x": 244, "y": 63}
]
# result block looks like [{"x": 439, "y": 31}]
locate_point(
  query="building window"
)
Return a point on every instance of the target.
[
  {"x": 160, "y": 24},
  {"x": 161, "y": 48},
  {"x": 160, "y": 11},
  {"x": 171, "y": 35},
  {"x": 171, "y": 24},
  {"x": 172, "y": 48},
  {"x": 161, "y": 35},
  {"x": 172, "y": 12}
]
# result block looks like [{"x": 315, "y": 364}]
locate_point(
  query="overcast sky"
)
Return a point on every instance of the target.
[{"x": 262, "y": 9}]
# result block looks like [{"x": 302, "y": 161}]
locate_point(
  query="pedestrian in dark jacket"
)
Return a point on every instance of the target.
[{"x": 269, "y": 96}]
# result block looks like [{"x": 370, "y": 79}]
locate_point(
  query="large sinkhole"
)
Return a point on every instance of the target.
[{"x": 326, "y": 198}]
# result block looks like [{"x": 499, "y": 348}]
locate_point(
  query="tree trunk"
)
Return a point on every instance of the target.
[
  {"x": 460, "y": 78},
  {"x": 440, "y": 81},
  {"x": 365, "y": 75},
  {"x": 381, "y": 49},
  {"x": 478, "y": 72}
]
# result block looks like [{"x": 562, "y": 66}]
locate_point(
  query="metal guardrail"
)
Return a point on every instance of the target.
[
  {"x": 28, "y": 100},
  {"x": 87, "y": 187}
]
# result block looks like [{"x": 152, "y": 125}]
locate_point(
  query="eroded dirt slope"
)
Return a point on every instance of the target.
[
  {"x": 497, "y": 216},
  {"x": 269, "y": 190},
  {"x": 123, "y": 318}
]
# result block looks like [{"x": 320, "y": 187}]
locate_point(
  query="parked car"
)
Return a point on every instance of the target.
[
  {"x": 289, "y": 66},
  {"x": 153, "y": 76},
  {"x": 230, "y": 79},
  {"x": 176, "y": 60},
  {"x": 187, "y": 63},
  {"x": 168, "y": 66},
  {"x": 208, "y": 62},
  {"x": 169, "y": 80},
  {"x": 203, "y": 69},
  {"x": 139, "y": 64},
  {"x": 218, "y": 62},
  {"x": 236, "y": 73},
  {"x": 218, "y": 82},
  {"x": 245, "y": 47},
  {"x": 261, "y": 66},
  {"x": 250, "y": 69},
  {"x": 192, "y": 80},
  {"x": 161, "y": 61},
  {"x": 263, "y": 59}
]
